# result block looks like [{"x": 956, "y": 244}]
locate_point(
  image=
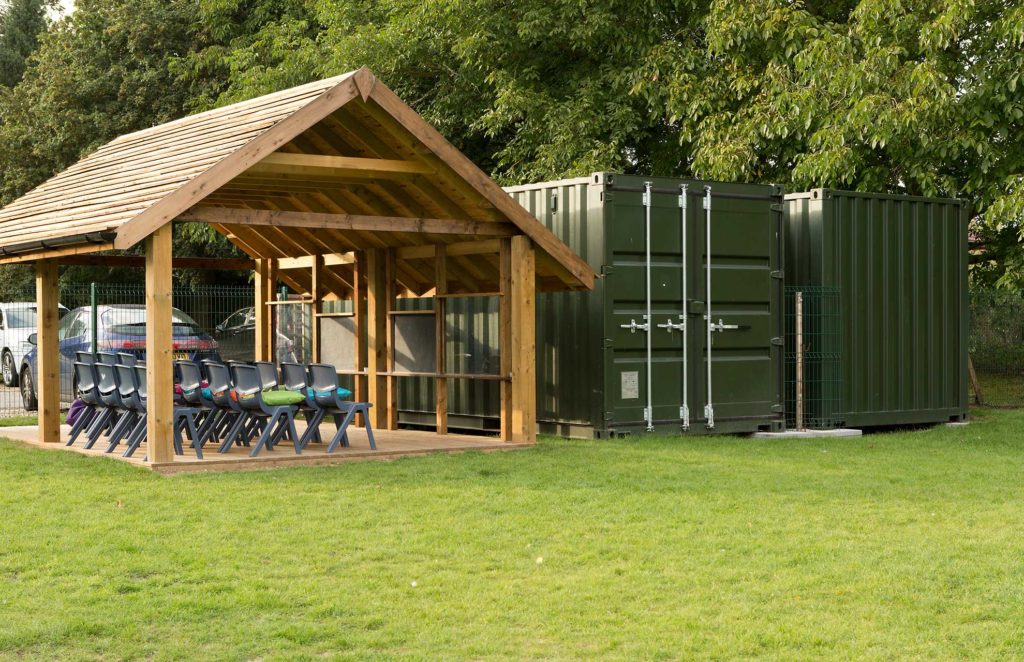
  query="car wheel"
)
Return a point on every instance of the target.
[
  {"x": 28, "y": 390},
  {"x": 7, "y": 370}
]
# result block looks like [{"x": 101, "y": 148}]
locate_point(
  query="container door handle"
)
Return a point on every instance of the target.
[
  {"x": 633, "y": 326},
  {"x": 722, "y": 326},
  {"x": 671, "y": 326}
]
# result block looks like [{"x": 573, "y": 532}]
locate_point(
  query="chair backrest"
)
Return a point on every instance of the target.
[
  {"x": 85, "y": 375},
  {"x": 218, "y": 376},
  {"x": 324, "y": 378},
  {"x": 294, "y": 376},
  {"x": 191, "y": 375},
  {"x": 85, "y": 357},
  {"x": 124, "y": 358},
  {"x": 106, "y": 358},
  {"x": 268, "y": 374},
  {"x": 140, "y": 381},
  {"x": 106, "y": 378},
  {"x": 246, "y": 378},
  {"x": 125, "y": 381}
]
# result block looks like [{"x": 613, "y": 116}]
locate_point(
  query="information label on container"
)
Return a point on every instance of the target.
[{"x": 630, "y": 385}]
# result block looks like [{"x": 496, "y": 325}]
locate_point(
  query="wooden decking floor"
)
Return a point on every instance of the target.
[{"x": 391, "y": 444}]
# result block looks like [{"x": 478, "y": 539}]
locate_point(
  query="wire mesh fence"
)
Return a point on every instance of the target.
[
  {"x": 208, "y": 321},
  {"x": 996, "y": 347},
  {"x": 813, "y": 350}
]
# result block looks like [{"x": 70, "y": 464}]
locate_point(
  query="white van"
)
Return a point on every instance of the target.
[{"x": 17, "y": 322}]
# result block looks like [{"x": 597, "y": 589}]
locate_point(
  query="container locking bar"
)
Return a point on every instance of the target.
[
  {"x": 648, "y": 202},
  {"x": 633, "y": 326},
  {"x": 709, "y": 408},
  {"x": 721, "y": 326},
  {"x": 671, "y": 326},
  {"x": 684, "y": 409}
]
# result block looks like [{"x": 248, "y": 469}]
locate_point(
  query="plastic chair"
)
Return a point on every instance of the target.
[
  {"x": 110, "y": 399},
  {"x": 233, "y": 421},
  {"x": 192, "y": 395},
  {"x": 276, "y": 421},
  {"x": 183, "y": 421},
  {"x": 325, "y": 396},
  {"x": 125, "y": 358},
  {"x": 106, "y": 358},
  {"x": 295, "y": 377},
  {"x": 268, "y": 374},
  {"x": 127, "y": 391},
  {"x": 85, "y": 376},
  {"x": 85, "y": 357}
]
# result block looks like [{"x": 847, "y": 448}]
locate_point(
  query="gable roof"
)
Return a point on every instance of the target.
[{"x": 254, "y": 155}]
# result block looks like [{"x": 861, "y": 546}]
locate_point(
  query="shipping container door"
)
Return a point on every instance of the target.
[
  {"x": 743, "y": 310},
  {"x": 626, "y": 272}
]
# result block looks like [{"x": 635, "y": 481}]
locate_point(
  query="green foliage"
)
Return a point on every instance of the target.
[
  {"x": 21, "y": 22},
  {"x": 901, "y": 545}
]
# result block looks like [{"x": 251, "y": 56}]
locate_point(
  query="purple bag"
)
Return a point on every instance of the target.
[{"x": 76, "y": 409}]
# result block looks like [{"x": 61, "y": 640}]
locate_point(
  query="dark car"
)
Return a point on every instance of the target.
[
  {"x": 120, "y": 328},
  {"x": 236, "y": 337}
]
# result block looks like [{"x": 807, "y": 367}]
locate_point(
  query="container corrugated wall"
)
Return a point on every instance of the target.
[{"x": 899, "y": 265}]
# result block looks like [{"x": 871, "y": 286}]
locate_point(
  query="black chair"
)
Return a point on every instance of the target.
[
  {"x": 233, "y": 422},
  {"x": 127, "y": 390},
  {"x": 85, "y": 357},
  {"x": 85, "y": 376},
  {"x": 276, "y": 421},
  {"x": 184, "y": 419},
  {"x": 110, "y": 399},
  {"x": 106, "y": 358},
  {"x": 325, "y": 397},
  {"x": 295, "y": 377},
  {"x": 192, "y": 395},
  {"x": 268, "y": 374}
]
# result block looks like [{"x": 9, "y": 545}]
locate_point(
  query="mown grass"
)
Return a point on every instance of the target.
[
  {"x": 902, "y": 545},
  {"x": 12, "y": 421}
]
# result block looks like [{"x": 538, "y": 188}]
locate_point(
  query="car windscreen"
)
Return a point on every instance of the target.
[
  {"x": 21, "y": 317},
  {"x": 132, "y": 322}
]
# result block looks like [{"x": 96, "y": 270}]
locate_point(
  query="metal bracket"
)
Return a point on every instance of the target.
[
  {"x": 673, "y": 326},
  {"x": 722, "y": 326},
  {"x": 634, "y": 327},
  {"x": 778, "y": 274},
  {"x": 709, "y": 415},
  {"x": 684, "y": 415},
  {"x": 647, "y": 417}
]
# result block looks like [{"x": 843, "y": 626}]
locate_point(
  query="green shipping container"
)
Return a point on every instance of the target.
[
  {"x": 601, "y": 369},
  {"x": 897, "y": 268}
]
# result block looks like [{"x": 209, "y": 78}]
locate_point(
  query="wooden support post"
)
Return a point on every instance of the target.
[
  {"x": 159, "y": 357},
  {"x": 391, "y": 282},
  {"x": 524, "y": 340},
  {"x": 318, "y": 292},
  {"x": 359, "y": 326},
  {"x": 505, "y": 336},
  {"x": 266, "y": 278},
  {"x": 376, "y": 336},
  {"x": 48, "y": 352},
  {"x": 441, "y": 355}
]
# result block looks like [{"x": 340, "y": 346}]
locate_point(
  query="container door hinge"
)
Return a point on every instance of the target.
[
  {"x": 684, "y": 417},
  {"x": 607, "y": 343},
  {"x": 607, "y": 269},
  {"x": 777, "y": 341},
  {"x": 778, "y": 274},
  {"x": 709, "y": 416},
  {"x": 776, "y": 206},
  {"x": 777, "y": 409}
]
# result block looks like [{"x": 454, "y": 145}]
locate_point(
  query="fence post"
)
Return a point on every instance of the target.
[{"x": 93, "y": 317}]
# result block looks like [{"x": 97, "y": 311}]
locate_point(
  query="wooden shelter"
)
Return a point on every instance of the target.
[{"x": 337, "y": 189}]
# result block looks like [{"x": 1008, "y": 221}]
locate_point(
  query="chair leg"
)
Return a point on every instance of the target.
[
  {"x": 98, "y": 426},
  {"x": 137, "y": 437},
  {"x": 369, "y": 428},
  {"x": 341, "y": 436},
  {"x": 124, "y": 426},
  {"x": 313, "y": 421},
  {"x": 236, "y": 429},
  {"x": 265, "y": 435},
  {"x": 81, "y": 424}
]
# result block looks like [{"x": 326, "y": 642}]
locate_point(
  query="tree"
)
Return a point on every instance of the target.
[{"x": 21, "y": 23}]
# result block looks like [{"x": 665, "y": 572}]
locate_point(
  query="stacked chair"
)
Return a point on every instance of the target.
[{"x": 234, "y": 404}]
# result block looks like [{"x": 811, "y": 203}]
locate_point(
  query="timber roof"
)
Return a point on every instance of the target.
[{"x": 330, "y": 167}]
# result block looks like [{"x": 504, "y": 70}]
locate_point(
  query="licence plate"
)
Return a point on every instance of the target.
[{"x": 181, "y": 356}]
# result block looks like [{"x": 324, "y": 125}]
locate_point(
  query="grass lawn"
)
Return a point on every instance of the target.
[
  {"x": 903, "y": 545},
  {"x": 18, "y": 420}
]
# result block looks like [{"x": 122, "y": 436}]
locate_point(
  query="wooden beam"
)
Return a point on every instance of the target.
[
  {"x": 359, "y": 325},
  {"x": 524, "y": 340},
  {"x": 47, "y": 351},
  {"x": 352, "y": 222},
  {"x": 306, "y": 261},
  {"x": 391, "y": 285},
  {"x": 441, "y": 384},
  {"x": 159, "y": 357},
  {"x": 478, "y": 247},
  {"x": 238, "y": 161},
  {"x": 213, "y": 263},
  {"x": 318, "y": 277},
  {"x": 469, "y": 172},
  {"x": 264, "y": 293},
  {"x": 376, "y": 336},
  {"x": 505, "y": 348},
  {"x": 32, "y": 256},
  {"x": 330, "y": 167}
]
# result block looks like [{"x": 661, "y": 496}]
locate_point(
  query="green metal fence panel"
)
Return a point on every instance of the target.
[
  {"x": 900, "y": 266},
  {"x": 819, "y": 352}
]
